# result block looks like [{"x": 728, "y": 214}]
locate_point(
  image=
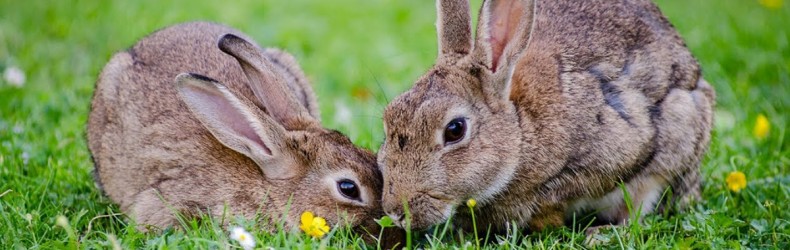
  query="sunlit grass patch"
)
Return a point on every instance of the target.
[{"x": 359, "y": 55}]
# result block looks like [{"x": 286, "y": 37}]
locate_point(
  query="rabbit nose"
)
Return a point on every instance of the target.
[
  {"x": 397, "y": 218},
  {"x": 395, "y": 211},
  {"x": 392, "y": 209}
]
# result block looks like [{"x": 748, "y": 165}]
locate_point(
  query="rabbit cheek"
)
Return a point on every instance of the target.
[{"x": 489, "y": 163}]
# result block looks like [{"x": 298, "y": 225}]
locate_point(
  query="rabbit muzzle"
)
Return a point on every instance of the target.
[{"x": 418, "y": 210}]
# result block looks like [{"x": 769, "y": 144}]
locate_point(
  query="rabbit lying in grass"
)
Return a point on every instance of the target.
[
  {"x": 247, "y": 141},
  {"x": 545, "y": 115}
]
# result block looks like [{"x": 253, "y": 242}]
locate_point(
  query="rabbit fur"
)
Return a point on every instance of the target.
[
  {"x": 246, "y": 141},
  {"x": 566, "y": 105}
]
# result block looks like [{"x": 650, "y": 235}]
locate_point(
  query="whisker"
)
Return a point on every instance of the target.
[{"x": 381, "y": 89}]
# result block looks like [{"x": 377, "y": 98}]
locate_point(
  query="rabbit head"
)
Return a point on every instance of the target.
[
  {"x": 323, "y": 171},
  {"x": 317, "y": 169},
  {"x": 455, "y": 134}
]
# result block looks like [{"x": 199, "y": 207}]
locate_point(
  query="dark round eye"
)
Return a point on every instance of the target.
[
  {"x": 348, "y": 188},
  {"x": 454, "y": 131}
]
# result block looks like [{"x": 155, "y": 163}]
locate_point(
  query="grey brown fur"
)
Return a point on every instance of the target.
[
  {"x": 601, "y": 93},
  {"x": 163, "y": 146}
]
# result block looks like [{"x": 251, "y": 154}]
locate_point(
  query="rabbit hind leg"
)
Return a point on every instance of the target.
[{"x": 644, "y": 193}]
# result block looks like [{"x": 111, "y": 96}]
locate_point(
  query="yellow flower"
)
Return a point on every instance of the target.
[
  {"x": 771, "y": 4},
  {"x": 313, "y": 225},
  {"x": 471, "y": 203},
  {"x": 761, "y": 127},
  {"x": 736, "y": 181}
]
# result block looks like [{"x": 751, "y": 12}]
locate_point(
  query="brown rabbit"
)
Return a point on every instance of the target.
[
  {"x": 545, "y": 114},
  {"x": 248, "y": 142}
]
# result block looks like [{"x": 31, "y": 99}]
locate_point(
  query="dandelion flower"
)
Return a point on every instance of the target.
[
  {"x": 313, "y": 225},
  {"x": 771, "y": 4},
  {"x": 244, "y": 238},
  {"x": 471, "y": 203},
  {"x": 736, "y": 181},
  {"x": 14, "y": 76},
  {"x": 761, "y": 127}
]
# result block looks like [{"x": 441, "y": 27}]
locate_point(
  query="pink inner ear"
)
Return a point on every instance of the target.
[
  {"x": 235, "y": 119},
  {"x": 230, "y": 117},
  {"x": 504, "y": 19}
]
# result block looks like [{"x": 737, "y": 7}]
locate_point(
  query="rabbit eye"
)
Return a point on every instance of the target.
[
  {"x": 454, "y": 131},
  {"x": 348, "y": 188}
]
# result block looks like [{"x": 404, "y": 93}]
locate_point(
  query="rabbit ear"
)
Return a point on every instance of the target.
[
  {"x": 454, "y": 27},
  {"x": 503, "y": 33},
  {"x": 269, "y": 87},
  {"x": 235, "y": 124}
]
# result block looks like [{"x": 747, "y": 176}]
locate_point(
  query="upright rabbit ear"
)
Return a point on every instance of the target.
[
  {"x": 454, "y": 28},
  {"x": 503, "y": 33},
  {"x": 269, "y": 87},
  {"x": 234, "y": 123}
]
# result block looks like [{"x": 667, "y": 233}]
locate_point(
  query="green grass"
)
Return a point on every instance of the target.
[{"x": 359, "y": 54}]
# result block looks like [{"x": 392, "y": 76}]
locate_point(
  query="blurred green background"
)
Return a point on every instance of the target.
[{"x": 359, "y": 54}]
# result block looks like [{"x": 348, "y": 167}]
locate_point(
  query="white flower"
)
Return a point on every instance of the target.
[
  {"x": 25, "y": 158},
  {"x": 244, "y": 238},
  {"x": 342, "y": 113},
  {"x": 18, "y": 129},
  {"x": 14, "y": 76}
]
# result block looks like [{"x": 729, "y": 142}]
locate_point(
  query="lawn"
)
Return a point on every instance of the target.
[{"x": 359, "y": 54}]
